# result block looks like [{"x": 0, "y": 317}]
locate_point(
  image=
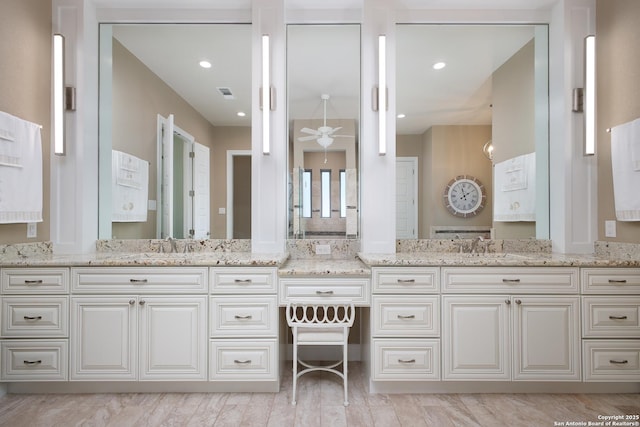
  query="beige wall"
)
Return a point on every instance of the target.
[
  {"x": 618, "y": 97},
  {"x": 25, "y": 88},
  {"x": 138, "y": 97},
  {"x": 514, "y": 122}
]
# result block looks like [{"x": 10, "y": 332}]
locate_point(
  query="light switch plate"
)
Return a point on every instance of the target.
[
  {"x": 32, "y": 230},
  {"x": 610, "y": 229},
  {"x": 323, "y": 249},
  {"x": 222, "y": 211}
]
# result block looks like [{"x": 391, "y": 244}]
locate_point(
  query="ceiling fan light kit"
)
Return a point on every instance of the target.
[{"x": 324, "y": 135}]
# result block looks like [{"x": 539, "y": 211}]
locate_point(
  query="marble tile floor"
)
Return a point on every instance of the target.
[{"x": 319, "y": 404}]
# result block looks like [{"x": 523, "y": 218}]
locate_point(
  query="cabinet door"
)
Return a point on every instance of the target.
[
  {"x": 475, "y": 337},
  {"x": 103, "y": 338},
  {"x": 546, "y": 335},
  {"x": 173, "y": 337}
]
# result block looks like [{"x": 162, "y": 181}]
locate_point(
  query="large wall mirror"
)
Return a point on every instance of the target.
[
  {"x": 472, "y": 104},
  {"x": 323, "y": 88},
  {"x": 175, "y": 131}
]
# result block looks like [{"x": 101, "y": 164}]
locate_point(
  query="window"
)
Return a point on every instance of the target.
[
  {"x": 306, "y": 193},
  {"x": 343, "y": 193},
  {"x": 325, "y": 193}
]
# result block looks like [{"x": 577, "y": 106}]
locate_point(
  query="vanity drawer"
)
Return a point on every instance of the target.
[
  {"x": 239, "y": 280},
  {"x": 414, "y": 360},
  {"x": 34, "y": 360},
  {"x": 406, "y": 316},
  {"x": 34, "y": 280},
  {"x": 611, "y": 317},
  {"x": 35, "y": 316},
  {"x": 531, "y": 280},
  {"x": 325, "y": 289},
  {"x": 242, "y": 316},
  {"x": 405, "y": 280},
  {"x": 243, "y": 360},
  {"x": 611, "y": 360},
  {"x": 174, "y": 280},
  {"x": 611, "y": 280}
]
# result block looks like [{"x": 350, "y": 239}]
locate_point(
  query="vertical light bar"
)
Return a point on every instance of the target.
[
  {"x": 589, "y": 95},
  {"x": 266, "y": 94},
  {"x": 382, "y": 95},
  {"x": 58, "y": 95}
]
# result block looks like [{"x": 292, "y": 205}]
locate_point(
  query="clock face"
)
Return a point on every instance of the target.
[{"x": 464, "y": 196}]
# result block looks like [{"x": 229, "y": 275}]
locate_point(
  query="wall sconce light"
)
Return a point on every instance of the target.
[
  {"x": 64, "y": 97},
  {"x": 382, "y": 95},
  {"x": 265, "y": 92},
  {"x": 584, "y": 99},
  {"x": 487, "y": 149}
]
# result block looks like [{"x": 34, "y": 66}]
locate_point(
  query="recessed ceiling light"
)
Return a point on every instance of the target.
[
  {"x": 241, "y": 114},
  {"x": 401, "y": 116},
  {"x": 439, "y": 65},
  {"x": 205, "y": 64}
]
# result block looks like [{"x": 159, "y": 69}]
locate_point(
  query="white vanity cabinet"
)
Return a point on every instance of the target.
[
  {"x": 243, "y": 325},
  {"x": 611, "y": 324},
  {"x": 139, "y": 323},
  {"x": 405, "y": 324},
  {"x": 34, "y": 324},
  {"x": 510, "y": 323}
]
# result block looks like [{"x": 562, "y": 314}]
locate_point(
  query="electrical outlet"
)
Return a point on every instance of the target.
[
  {"x": 32, "y": 230},
  {"x": 610, "y": 229},
  {"x": 222, "y": 211},
  {"x": 323, "y": 249}
]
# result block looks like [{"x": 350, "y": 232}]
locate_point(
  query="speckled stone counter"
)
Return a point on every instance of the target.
[
  {"x": 324, "y": 267},
  {"x": 494, "y": 259}
]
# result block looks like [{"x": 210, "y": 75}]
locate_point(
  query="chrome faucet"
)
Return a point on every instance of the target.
[
  {"x": 173, "y": 243},
  {"x": 474, "y": 244}
]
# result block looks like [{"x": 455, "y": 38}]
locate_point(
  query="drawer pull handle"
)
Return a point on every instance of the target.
[
  {"x": 324, "y": 292},
  {"x": 246, "y": 317},
  {"x": 406, "y": 280},
  {"x": 242, "y": 281},
  {"x": 33, "y": 282},
  {"x": 406, "y": 361},
  {"x": 408, "y": 316},
  {"x": 29, "y": 362},
  {"x": 618, "y": 317},
  {"x": 617, "y": 281},
  {"x": 510, "y": 280},
  {"x": 619, "y": 362},
  {"x": 242, "y": 362},
  {"x": 138, "y": 280},
  {"x": 32, "y": 317}
]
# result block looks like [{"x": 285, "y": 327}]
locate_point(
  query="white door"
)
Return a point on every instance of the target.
[
  {"x": 165, "y": 173},
  {"x": 546, "y": 338},
  {"x": 173, "y": 337},
  {"x": 103, "y": 338},
  {"x": 201, "y": 192},
  {"x": 406, "y": 198},
  {"x": 475, "y": 338}
]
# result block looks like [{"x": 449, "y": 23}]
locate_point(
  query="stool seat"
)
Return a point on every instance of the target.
[{"x": 315, "y": 323}]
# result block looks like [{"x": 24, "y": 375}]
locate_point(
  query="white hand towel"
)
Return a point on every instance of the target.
[
  {"x": 21, "y": 187},
  {"x": 514, "y": 197},
  {"x": 128, "y": 170},
  {"x": 129, "y": 197},
  {"x": 626, "y": 180},
  {"x": 10, "y": 142},
  {"x": 635, "y": 144}
]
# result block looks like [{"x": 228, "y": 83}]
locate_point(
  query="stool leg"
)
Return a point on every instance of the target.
[
  {"x": 344, "y": 372},
  {"x": 295, "y": 368}
]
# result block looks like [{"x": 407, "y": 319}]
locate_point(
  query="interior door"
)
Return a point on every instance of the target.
[
  {"x": 406, "y": 198},
  {"x": 201, "y": 192}
]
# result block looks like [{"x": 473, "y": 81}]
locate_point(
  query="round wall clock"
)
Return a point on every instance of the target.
[{"x": 464, "y": 196}]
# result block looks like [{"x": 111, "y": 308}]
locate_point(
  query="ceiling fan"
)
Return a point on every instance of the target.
[{"x": 324, "y": 135}]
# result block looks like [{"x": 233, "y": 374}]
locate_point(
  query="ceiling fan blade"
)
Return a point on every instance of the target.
[
  {"x": 308, "y": 138},
  {"x": 311, "y": 131},
  {"x": 333, "y": 130},
  {"x": 342, "y": 136}
]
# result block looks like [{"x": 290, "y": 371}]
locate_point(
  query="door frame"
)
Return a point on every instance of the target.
[{"x": 230, "y": 155}]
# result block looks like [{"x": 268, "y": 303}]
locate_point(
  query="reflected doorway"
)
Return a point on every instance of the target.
[{"x": 238, "y": 194}]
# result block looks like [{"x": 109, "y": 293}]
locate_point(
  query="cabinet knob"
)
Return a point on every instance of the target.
[
  {"x": 142, "y": 302},
  {"x": 132, "y": 301},
  {"x": 507, "y": 301},
  {"x": 518, "y": 302}
]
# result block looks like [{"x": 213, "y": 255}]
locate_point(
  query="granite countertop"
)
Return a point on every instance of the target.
[
  {"x": 493, "y": 259},
  {"x": 150, "y": 259},
  {"x": 324, "y": 267}
]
